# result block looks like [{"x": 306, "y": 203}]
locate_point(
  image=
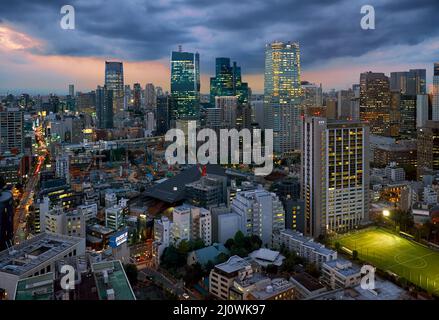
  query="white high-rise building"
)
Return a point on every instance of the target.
[
  {"x": 70, "y": 223},
  {"x": 261, "y": 213},
  {"x": 162, "y": 231},
  {"x": 201, "y": 225},
  {"x": 335, "y": 174},
  {"x": 181, "y": 224}
]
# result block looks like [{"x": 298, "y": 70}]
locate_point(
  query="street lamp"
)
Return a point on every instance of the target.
[{"x": 386, "y": 213}]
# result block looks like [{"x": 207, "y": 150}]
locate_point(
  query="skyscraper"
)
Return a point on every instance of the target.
[
  {"x": 410, "y": 82},
  {"x": 150, "y": 97},
  {"x": 114, "y": 82},
  {"x": 282, "y": 90},
  {"x": 137, "y": 92},
  {"x": 6, "y": 218},
  {"x": 435, "y": 104},
  {"x": 335, "y": 174},
  {"x": 375, "y": 102},
  {"x": 71, "y": 90},
  {"x": 11, "y": 130},
  {"x": 428, "y": 148},
  {"x": 185, "y": 85},
  {"x": 228, "y": 81},
  {"x": 104, "y": 107}
]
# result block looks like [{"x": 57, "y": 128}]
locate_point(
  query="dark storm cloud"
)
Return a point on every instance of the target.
[{"x": 145, "y": 30}]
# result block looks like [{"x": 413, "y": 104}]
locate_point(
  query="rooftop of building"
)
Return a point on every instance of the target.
[
  {"x": 265, "y": 257},
  {"x": 173, "y": 189},
  {"x": 36, "y": 288},
  {"x": 31, "y": 253},
  {"x": 307, "y": 281},
  {"x": 343, "y": 266},
  {"x": 384, "y": 290},
  {"x": 276, "y": 286},
  {"x": 210, "y": 253},
  {"x": 111, "y": 279},
  {"x": 234, "y": 264}
]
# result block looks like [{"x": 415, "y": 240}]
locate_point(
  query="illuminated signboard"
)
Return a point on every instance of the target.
[{"x": 118, "y": 238}]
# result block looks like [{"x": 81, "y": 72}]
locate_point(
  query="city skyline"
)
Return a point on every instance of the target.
[{"x": 335, "y": 57}]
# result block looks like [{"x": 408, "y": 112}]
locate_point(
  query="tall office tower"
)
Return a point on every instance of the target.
[
  {"x": 312, "y": 95},
  {"x": 150, "y": 97},
  {"x": 407, "y": 109},
  {"x": 416, "y": 82},
  {"x": 428, "y": 148},
  {"x": 422, "y": 110},
  {"x": 213, "y": 118},
  {"x": 163, "y": 108},
  {"x": 86, "y": 102},
  {"x": 398, "y": 81},
  {"x": 222, "y": 83},
  {"x": 375, "y": 102},
  {"x": 228, "y": 81},
  {"x": 11, "y": 130},
  {"x": 228, "y": 106},
  {"x": 114, "y": 82},
  {"x": 344, "y": 104},
  {"x": 241, "y": 89},
  {"x": 71, "y": 90},
  {"x": 435, "y": 103},
  {"x": 395, "y": 114},
  {"x": 331, "y": 108},
  {"x": 104, "y": 107},
  {"x": 335, "y": 175},
  {"x": 261, "y": 213},
  {"x": 6, "y": 218},
  {"x": 127, "y": 97},
  {"x": 137, "y": 96},
  {"x": 282, "y": 92},
  {"x": 185, "y": 85}
]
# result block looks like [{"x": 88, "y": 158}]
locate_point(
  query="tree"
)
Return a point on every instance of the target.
[
  {"x": 355, "y": 255},
  {"x": 239, "y": 239},
  {"x": 172, "y": 258},
  {"x": 184, "y": 247},
  {"x": 272, "y": 269},
  {"x": 132, "y": 273},
  {"x": 193, "y": 274},
  {"x": 337, "y": 246},
  {"x": 229, "y": 243}
]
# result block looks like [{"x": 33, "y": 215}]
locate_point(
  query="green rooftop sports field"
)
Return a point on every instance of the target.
[{"x": 390, "y": 252}]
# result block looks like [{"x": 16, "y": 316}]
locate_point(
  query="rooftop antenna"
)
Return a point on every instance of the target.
[{"x": 180, "y": 49}]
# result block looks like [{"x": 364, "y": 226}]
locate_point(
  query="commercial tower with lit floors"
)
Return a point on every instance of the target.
[{"x": 282, "y": 93}]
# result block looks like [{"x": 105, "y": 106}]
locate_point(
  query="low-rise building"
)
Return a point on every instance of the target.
[
  {"x": 340, "y": 273},
  {"x": 306, "y": 247},
  {"x": 306, "y": 286},
  {"x": 265, "y": 257},
  {"x": 34, "y": 257},
  {"x": 223, "y": 275}
]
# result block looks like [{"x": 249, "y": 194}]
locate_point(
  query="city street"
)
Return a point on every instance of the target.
[{"x": 20, "y": 228}]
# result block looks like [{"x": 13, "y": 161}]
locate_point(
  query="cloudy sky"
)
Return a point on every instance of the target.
[{"x": 37, "y": 55}]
